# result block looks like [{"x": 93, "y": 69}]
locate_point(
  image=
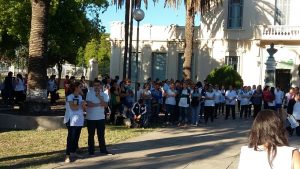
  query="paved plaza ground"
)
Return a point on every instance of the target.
[{"x": 214, "y": 146}]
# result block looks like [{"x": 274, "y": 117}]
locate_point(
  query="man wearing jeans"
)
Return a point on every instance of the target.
[{"x": 96, "y": 102}]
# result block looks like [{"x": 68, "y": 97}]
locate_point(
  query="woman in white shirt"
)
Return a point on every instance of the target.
[
  {"x": 209, "y": 103},
  {"x": 75, "y": 106},
  {"x": 170, "y": 104},
  {"x": 268, "y": 145},
  {"x": 20, "y": 89}
]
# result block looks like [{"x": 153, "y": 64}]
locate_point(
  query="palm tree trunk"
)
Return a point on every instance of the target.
[
  {"x": 127, "y": 9},
  {"x": 36, "y": 101},
  {"x": 189, "y": 34}
]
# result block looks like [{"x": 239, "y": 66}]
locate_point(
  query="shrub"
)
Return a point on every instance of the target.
[{"x": 226, "y": 76}]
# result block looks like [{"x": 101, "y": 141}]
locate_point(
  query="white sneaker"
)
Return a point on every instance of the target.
[{"x": 67, "y": 159}]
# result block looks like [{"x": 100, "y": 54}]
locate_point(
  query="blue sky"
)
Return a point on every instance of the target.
[{"x": 155, "y": 15}]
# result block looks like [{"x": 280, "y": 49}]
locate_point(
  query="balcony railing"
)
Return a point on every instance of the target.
[{"x": 279, "y": 32}]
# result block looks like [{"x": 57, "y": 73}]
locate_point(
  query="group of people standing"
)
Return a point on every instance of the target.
[{"x": 13, "y": 89}]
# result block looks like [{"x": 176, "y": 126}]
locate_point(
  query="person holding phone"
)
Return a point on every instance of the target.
[
  {"x": 75, "y": 106},
  {"x": 97, "y": 100}
]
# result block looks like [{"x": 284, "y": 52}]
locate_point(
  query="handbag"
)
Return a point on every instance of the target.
[{"x": 294, "y": 123}]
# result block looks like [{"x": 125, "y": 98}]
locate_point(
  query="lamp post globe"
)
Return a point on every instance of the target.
[{"x": 138, "y": 14}]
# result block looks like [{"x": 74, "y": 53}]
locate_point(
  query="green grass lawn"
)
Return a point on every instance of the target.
[{"x": 33, "y": 148}]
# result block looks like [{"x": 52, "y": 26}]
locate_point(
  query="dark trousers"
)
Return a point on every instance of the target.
[
  {"x": 20, "y": 96},
  {"x": 72, "y": 138},
  {"x": 257, "y": 108},
  {"x": 216, "y": 109},
  {"x": 221, "y": 108},
  {"x": 245, "y": 111},
  {"x": 92, "y": 125},
  {"x": 53, "y": 97},
  {"x": 228, "y": 108},
  {"x": 208, "y": 113},
  {"x": 170, "y": 113}
]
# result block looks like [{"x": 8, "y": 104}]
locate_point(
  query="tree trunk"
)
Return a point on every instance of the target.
[
  {"x": 127, "y": 8},
  {"x": 189, "y": 34},
  {"x": 59, "y": 69},
  {"x": 36, "y": 100}
]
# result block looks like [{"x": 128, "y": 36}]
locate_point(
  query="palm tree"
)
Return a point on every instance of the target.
[
  {"x": 36, "y": 100},
  {"x": 192, "y": 7},
  {"x": 130, "y": 5}
]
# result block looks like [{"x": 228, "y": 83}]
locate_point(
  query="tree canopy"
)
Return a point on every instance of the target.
[
  {"x": 226, "y": 76},
  {"x": 69, "y": 27}
]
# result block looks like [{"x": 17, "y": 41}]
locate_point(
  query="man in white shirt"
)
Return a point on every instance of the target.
[
  {"x": 230, "y": 97},
  {"x": 97, "y": 100},
  {"x": 279, "y": 96}
]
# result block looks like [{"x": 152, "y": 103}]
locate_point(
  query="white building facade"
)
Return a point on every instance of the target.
[{"x": 236, "y": 33}]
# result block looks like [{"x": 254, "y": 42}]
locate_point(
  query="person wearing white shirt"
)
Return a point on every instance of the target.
[
  {"x": 75, "y": 120},
  {"x": 96, "y": 103},
  {"x": 209, "y": 103},
  {"x": 279, "y": 96},
  {"x": 245, "y": 96},
  {"x": 19, "y": 89},
  {"x": 184, "y": 104},
  {"x": 230, "y": 97},
  {"x": 268, "y": 146},
  {"x": 296, "y": 114},
  {"x": 170, "y": 104},
  {"x": 218, "y": 95}
]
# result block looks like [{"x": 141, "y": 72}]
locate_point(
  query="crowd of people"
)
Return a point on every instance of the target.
[
  {"x": 177, "y": 103},
  {"x": 185, "y": 103},
  {"x": 180, "y": 103},
  {"x": 13, "y": 89}
]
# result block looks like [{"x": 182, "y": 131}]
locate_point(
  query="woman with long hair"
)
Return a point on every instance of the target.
[
  {"x": 268, "y": 146},
  {"x": 74, "y": 120}
]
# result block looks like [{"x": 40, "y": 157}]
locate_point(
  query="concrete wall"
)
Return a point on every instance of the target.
[{"x": 8, "y": 121}]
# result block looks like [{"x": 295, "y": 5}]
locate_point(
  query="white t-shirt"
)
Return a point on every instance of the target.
[
  {"x": 296, "y": 110},
  {"x": 183, "y": 101},
  {"x": 76, "y": 116},
  {"x": 170, "y": 100},
  {"x": 251, "y": 159},
  {"x": 279, "y": 95},
  {"x": 95, "y": 113},
  {"x": 19, "y": 85},
  {"x": 209, "y": 102},
  {"x": 230, "y": 97},
  {"x": 218, "y": 95},
  {"x": 245, "y": 97}
]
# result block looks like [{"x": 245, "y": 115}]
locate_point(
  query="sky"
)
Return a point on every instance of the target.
[{"x": 154, "y": 15}]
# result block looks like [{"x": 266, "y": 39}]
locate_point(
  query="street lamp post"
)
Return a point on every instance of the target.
[{"x": 138, "y": 15}]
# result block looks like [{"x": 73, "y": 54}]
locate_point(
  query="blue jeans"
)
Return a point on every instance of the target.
[
  {"x": 195, "y": 114},
  {"x": 92, "y": 125}
]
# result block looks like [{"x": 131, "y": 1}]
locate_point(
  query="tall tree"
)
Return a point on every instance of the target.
[
  {"x": 36, "y": 100},
  {"x": 130, "y": 5},
  {"x": 192, "y": 7}
]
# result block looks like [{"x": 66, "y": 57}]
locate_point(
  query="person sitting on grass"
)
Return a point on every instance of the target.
[{"x": 139, "y": 114}]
